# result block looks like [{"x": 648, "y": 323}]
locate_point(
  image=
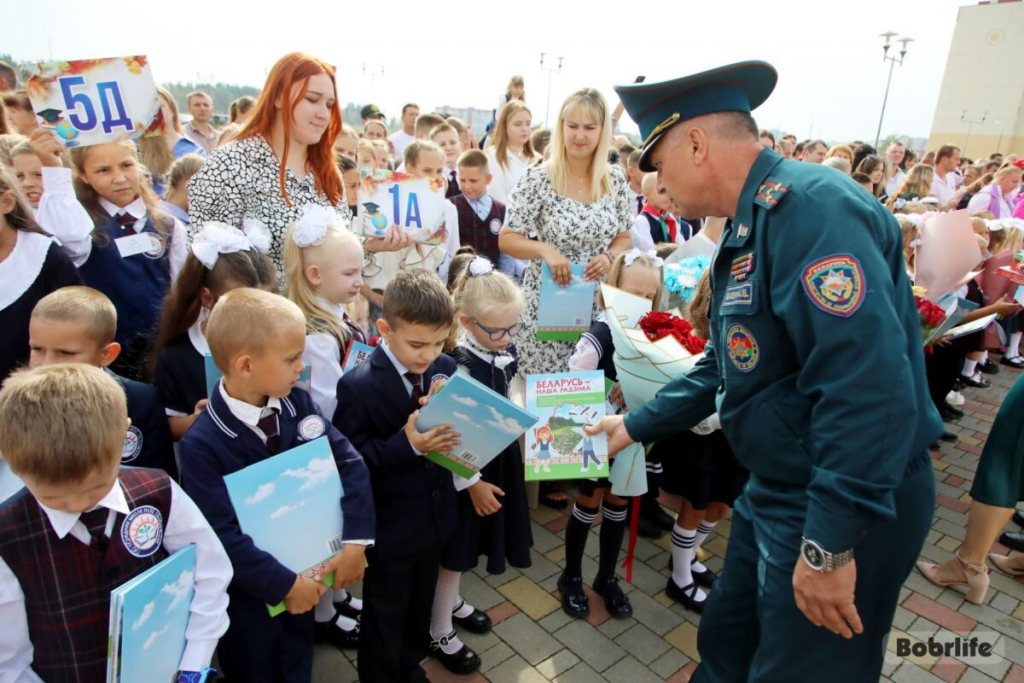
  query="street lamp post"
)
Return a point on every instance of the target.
[
  {"x": 893, "y": 61},
  {"x": 970, "y": 126},
  {"x": 372, "y": 73},
  {"x": 550, "y": 70}
]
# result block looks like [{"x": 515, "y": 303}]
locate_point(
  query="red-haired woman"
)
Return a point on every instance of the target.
[{"x": 281, "y": 160}]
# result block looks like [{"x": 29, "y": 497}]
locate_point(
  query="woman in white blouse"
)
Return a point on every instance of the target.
[
  {"x": 278, "y": 163},
  {"x": 511, "y": 153}
]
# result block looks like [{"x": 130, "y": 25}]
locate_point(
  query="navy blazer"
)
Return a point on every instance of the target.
[
  {"x": 415, "y": 499},
  {"x": 218, "y": 443},
  {"x": 148, "y": 442}
]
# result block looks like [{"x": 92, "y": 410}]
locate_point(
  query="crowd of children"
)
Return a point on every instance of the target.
[{"x": 114, "y": 303}]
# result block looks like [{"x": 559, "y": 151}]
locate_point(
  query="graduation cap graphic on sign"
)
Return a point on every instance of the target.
[
  {"x": 372, "y": 207},
  {"x": 51, "y": 116}
]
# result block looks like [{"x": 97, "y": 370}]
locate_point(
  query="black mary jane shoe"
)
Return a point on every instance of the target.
[
  {"x": 1018, "y": 518},
  {"x": 615, "y": 601},
  {"x": 979, "y": 383},
  {"x": 989, "y": 367},
  {"x": 1015, "y": 362},
  {"x": 463, "y": 662},
  {"x": 575, "y": 602},
  {"x": 346, "y": 609},
  {"x": 705, "y": 578},
  {"x": 476, "y": 622},
  {"x": 685, "y": 596},
  {"x": 328, "y": 632}
]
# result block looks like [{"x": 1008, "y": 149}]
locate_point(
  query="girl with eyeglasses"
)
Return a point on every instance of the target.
[{"x": 493, "y": 516}]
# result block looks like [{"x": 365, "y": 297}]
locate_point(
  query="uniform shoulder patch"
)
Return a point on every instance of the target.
[
  {"x": 771, "y": 192},
  {"x": 835, "y": 284}
]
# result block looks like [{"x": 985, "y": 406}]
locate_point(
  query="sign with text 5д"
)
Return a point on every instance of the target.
[
  {"x": 92, "y": 101},
  {"x": 416, "y": 205}
]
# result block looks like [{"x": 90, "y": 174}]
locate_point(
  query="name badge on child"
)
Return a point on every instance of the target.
[{"x": 148, "y": 243}]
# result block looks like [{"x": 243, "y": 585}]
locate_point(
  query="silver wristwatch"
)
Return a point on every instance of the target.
[{"x": 820, "y": 560}]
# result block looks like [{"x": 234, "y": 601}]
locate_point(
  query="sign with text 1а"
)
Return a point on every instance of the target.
[
  {"x": 414, "y": 204},
  {"x": 92, "y": 101}
]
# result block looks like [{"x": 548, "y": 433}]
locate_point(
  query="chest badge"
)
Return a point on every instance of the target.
[
  {"x": 742, "y": 348},
  {"x": 132, "y": 444},
  {"x": 142, "y": 531},
  {"x": 835, "y": 284},
  {"x": 312, "y": 427}
]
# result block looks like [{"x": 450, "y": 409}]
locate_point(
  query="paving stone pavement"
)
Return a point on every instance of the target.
[{"x": 534, "y": 641}]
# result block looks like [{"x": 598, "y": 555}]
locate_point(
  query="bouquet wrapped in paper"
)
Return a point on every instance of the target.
[{"x": 651, "y": 348}]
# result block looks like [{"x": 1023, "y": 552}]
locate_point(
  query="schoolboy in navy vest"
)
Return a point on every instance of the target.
[
  {"x": 257, "y": 339},
  {"x": 655, "y": 224},
  {"x": 68, "y": 539},
  {"x": 378, "y": 403},
  {"x": 480, "y": 215},
  {"x": 446, "y": 137},
  {"x": 76, "y": 325}
]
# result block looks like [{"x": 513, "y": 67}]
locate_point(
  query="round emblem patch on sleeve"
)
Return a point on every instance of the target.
[
  {"x": 132, "y": 444},
  {"x": 742, "y": 348},
  {"x": 312, "y": 427},
  {"x": 142, "y": 531},
  {"x": 835, "y": 284}
]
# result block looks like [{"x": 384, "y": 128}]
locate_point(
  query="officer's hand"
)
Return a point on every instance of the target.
[
  {"x": 615, "y": 427},
  {"x": 826, "y": 598}
]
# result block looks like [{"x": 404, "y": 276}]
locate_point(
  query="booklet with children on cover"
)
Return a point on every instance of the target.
[
  {"x": 487, "y": 421},
  {"x": 213, "y": 375},
  {"x": 148, "y": 618},
  {"x": 290, "y": 505},
  {"x": 565, "y": 403},
  {"x": 564, "y": 313}
]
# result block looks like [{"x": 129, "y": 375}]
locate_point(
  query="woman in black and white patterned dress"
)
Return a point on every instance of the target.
[
  {"x": 275, "y": 166},
  {"x": 577, "y": 206}
]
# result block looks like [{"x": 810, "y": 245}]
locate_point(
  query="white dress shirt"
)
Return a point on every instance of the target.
[
  {"x": 894, "y": 181},
  {"x": 324, "y": 357},
  {"x": 504, "y": 179},
  {"x": 943, "y": 189},
  {"x": 400, "y": 140},
  {"x": 185, "y": 526}
]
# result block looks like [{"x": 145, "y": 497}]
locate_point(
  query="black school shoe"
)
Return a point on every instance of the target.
[
  {"x": 346, "y": 609},
  {"x": 1018, "y": 518},
  {"x": 615, "y": 601},
  {"x": 989, "y": 367},
  {"x": 476, "y": 622},
  {"x": 979, "y": 383},
  {"x": 328, "y": 632},
  {"x": 463, "y": 662},
  {"x": 705, "y": 578},
  {"x": 685, "y": 596},
  {"x": 1015, "y": 362},
  {"x": 575, "y": 602}
]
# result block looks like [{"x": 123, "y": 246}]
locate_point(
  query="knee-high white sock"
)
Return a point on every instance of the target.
[
  {"x": 984, "y": 357},
  {"x": 683, "y": 551},
  {"x": 324, "y": 612},
  {"x": 445, "y": 596},
  {"x": 355, "y": 603},
  {"x": 704, "y": 530},
  {"x": 1013, "y": 346},
  {"x": 969, "y": 367}
]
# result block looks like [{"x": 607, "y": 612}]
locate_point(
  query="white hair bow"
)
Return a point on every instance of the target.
[
  {"x": 915, "y": 219},
  {"x": 480, "y": 266},
  {"x": 633, "y": 254},
  {"x": 914, "y": 244},
  {"x": 220, "y": 238},
  {"x": 311, "y": 229}
]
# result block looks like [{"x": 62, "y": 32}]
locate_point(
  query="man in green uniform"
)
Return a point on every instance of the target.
[{"x": 815, "y": 365}]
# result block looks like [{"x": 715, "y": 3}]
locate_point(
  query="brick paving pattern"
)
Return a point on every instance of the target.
[{"x": 533, "y": 641}]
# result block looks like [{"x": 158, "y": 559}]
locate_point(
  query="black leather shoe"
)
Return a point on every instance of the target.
[
  {"x": 346, "y": 609},
  {"x": 574, "y": 601},
  {"x": 685, "y": 596},
  {"x": 463, "y": 662},
  {"x": 1013, "y": 541},
  {"x": 648, "y": 528},
  {"x": 989, "y": 367},
  {"x": 948, "y": 415},
  {"x": 949, "y": 437},
  {"x": 1018, "y": 518},
  {"x": 979, "y": 383},
  {"x": 615, "y": 601},
  {"x": 1015, "y": 362},
  {"x": 953, "y": 410},
  {"x": 328, "y": 632},
  {"x": 705, "y": 578},
  {"x": 476, "y": 622}
]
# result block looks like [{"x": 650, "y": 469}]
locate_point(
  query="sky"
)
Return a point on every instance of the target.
[{"x": 828, "y": 54}]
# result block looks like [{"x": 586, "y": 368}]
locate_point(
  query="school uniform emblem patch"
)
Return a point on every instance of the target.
[
  {"x": 159, "y": 246},
  {"x": 835, "y": 284},
  {"x": 142, "y": 531},
  {"x": 495, "y": 226},
  {"x": 132, "y": 444},
  {"x": 742, "y": 348},
  {"x": 312, "y": 427}
]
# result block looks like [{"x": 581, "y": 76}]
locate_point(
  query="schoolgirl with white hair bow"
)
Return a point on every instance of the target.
[
  {"x": 323, "y": 267},
  {"x": 222, "y": 257}
]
